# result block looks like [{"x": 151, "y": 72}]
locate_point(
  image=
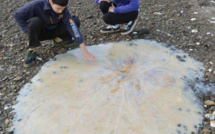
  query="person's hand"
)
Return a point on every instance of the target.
[
  {"x": 111, "y": 8},
  {"x": 104, "y": 0},
  {"x": 87, "y": 55}
]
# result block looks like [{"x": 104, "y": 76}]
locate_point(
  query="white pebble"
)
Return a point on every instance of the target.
[
  {"x": 134, "y": 33},
  {"x": 157, "y": 13},
  {"x": 195, "y": 13},
  {"x": 197, "y": 43},
  {"x": 194, "y": 31},
  {"x": 212, "y": 123},
  {"x": 211, "y": 62},
  {"x": 208, "y": 33},
  {"x": 210, "y": 70},
  {"x": 193, "y": 19}
]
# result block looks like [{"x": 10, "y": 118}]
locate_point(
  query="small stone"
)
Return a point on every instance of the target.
[
  {"x": 212, "y": 123},
  {"x": 18, "y": 78},
  {"x": 134, "y": 33},
  {"x": 193, "y": 19},
  {"x": 5, "y": 78},
  {"x": 211, "y": 62},
  {"x": 6, "y": 121},
  {"x": 209, "y": 70},
  {"x": 205, "y": 130},
  {"x": 194, "y": 31},
  {"x": 210, "y": 116},
  {"x": 157, "y": 13},
  {"x": 191, "y": 49},
  {"x": 90, "y": 17},
  {"x": 197, "y": 43},
  {"x": 6, "y": 107},
  {"x": 209, "y": 103}
]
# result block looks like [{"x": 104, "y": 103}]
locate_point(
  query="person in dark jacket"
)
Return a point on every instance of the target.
[
  {"x": 49, "y": 19},
  {"x": 119, "y": 12}
]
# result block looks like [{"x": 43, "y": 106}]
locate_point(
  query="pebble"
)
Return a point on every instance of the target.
[
  {"x": 194, "y": 31},
  {"x": 157, "y": 13},
  {"x": 210, "y": 116},
  {"x": 5, "y": 78},
  {"x": 134, "y": 33},
  {"x": 6, "y": 121},
  {"x": 197, "y": 43},
  {"x": 212, "y": 123},
  {"x": 18, "y": 78},
  {"x": 208, "y": 33},
  {"x": 193, "y": 19},
  {"x": 205, "y": 130},
  {"x": 209, "y": 103}
]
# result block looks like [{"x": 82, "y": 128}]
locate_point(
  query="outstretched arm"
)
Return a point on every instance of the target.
[
  {"x": 76, "y": 34},
  {"x": 87, "y": 55}
]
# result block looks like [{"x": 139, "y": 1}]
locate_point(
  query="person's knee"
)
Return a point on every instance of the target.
[
  {"x": 77, "y": 21},
  {"x": 34, "y": 22},
  {"x": 104, "y": 6}
]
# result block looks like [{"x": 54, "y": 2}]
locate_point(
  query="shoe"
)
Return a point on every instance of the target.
[
  {"x": 30, "y": 58},
  {"x": 64, "y": 43},
  {"x": 129, "y": 27},
  {"x": 110, "y": 29}
]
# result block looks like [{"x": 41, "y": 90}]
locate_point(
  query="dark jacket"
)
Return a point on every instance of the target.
[{"x": 43, "y": 10}]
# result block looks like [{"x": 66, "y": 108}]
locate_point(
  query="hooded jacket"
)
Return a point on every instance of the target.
[
  {"x": 124, "y": 6},
  {"x": 43, "y": 10}
]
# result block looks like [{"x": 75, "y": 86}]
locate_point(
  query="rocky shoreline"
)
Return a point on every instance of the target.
[{"x": 188, "y": 25}]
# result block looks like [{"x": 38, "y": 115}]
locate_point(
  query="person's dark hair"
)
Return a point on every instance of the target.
[{"x": 61, "y": 2}]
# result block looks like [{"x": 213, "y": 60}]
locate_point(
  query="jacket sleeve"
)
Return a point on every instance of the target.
[
  {"x": 96, "y": 1},
  {"x": 23, "y": 14},
  {"x": 72, "y": 27},
  {"x": 132, "y": 6}
]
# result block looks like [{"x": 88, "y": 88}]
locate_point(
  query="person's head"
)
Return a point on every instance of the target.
[{"x": 58, "y": 5}]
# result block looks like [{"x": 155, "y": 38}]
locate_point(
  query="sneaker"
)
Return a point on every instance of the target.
[
  {"x": 30, "y": 58},
  {"x": 64, "y": 43},
  {"x": 110, "y": 29},
  {"x": 129, "y": 27}
]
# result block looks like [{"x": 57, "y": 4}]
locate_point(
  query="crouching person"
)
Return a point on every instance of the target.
[
  {"x": 119, "y": 12},
  {"x": 49, "y": 19}
]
